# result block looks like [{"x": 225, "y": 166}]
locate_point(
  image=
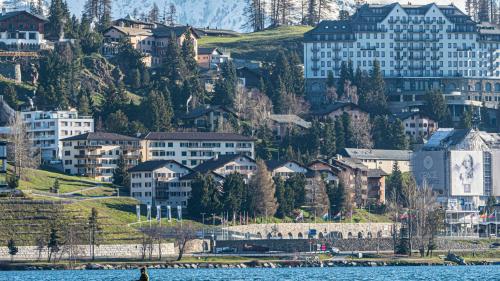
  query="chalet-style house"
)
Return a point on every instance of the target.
[
  {"x": 151, "y": 39},
  {"x": 417, "y": 125},
  {"x": 336, "y": 110},
  {"x": 22, "y": 31},
  {"x": 209, "y": 118},
  {"x": 211, "y": 58}
]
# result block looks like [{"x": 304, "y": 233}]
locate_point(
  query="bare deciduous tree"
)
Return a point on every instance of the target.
[
  {"x": 23, "y": 154},
  {"x": 182, "y": 233},
  {"x": 252, "y": 106},
  {"x": 362, "y": 129}
]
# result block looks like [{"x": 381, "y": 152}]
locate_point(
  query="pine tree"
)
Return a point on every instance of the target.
[
  {"x": 255, "y": 13},
  {"x": 84, "y": 104},
  {"x": 339, "y": 134},
  {"x": 380, "y": 132},
  {"x": 205, "y": 196},
  {"x": 329, "y": 147},
  {"x": 58, "y": 19},
  {"x": 233, "y": 191},
  {"x": 466, "y": 121},
  {"x": 157, "y": 112},
  {"x": 136, "y": 79},
  {"x": 348, "y": 130},
  {"x": 330, "y": 80},
  {"x": 398, "y": 138},
  {"x": 188, "y": 54},
  {"x": 312, "y": 17},
  {"x": 10, "y": 96},
  {"x": 435, "y": 107},
  {"x": 173, "y": 67},
  {"x": 54, "y": 242},
  {"x": 117, "y": 122},
  {"x": 295, "y": 188},
  {"x": 281, "y": 198},
  {"x": 154, "y": 14},
  {"x": 264, "y": 191},
  {"x": 56, "y": 186},
  {"x": 344, "y": 77},
  {"x": 120, "y": 174},
  {"x": 225, "y": 87},
  {"x": 297, "y": 74}
]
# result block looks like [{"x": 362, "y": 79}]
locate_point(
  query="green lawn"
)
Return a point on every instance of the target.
[
  {"x": 42, "y": 180},
  {"x": 260, "y": 45}
]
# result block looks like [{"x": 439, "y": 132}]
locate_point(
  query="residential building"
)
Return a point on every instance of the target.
[
  {"x": 210, "y": 58},
  {"x": 3, "y": 164},
  {"x": 417, "y": 125},
  {"x": 158, "y": 182},
  {"x": 248, "y": 77},
  {"x": 194, "y": 148},
  {"x": 287, "y": 168},
  {"x": 329, "y": 172},
  {"x": 224, "y": 165},
  {"x": 461, "y": 166},
  {"x": 282, "y": 124},
  {"x": 21, "y": 31},
  {"x": 47, "y": 128},
  {"x": 210, "y": 118},
  {"x": 355, "y": 177},
  {"x": 376, "y": 186},
  {"x": 96, "y": 154},
  {"x": 383, "y": 159},
  {"x": 150, "y": 39},
  {"x": 337, "y": 109},
  {"x": 419, "y": 47}
]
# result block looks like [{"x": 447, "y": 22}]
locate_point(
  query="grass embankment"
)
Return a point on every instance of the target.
[
  {"x": 261, "y": 45},
  {"x": 41, "y": 180}
]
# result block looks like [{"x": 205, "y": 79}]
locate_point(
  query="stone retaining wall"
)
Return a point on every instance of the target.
[
  {"x": 132, "y": 251},
  {"x": 301, "y": 230}
]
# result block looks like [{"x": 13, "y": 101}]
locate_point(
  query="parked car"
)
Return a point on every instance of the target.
[
  {"x": 225, "y": 250},
  {"x": 334, "y": 251},
  {"x": 495, "y": 245}
]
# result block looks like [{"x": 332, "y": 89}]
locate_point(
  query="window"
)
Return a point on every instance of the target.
[{"x": 32, "y": 36}]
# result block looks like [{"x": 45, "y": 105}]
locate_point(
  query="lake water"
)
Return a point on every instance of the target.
[{"x": 427, "y": 273}]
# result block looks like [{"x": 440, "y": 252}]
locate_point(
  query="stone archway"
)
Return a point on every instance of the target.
[
  {"x": 360, "y": 235},
  {"x": 379, "y": 234},
  {"x": 269, "y": 236},
  {"x": 320, "y": 235},
  {"x": 280, "y": 236},
  {"x": 369, "y": 235},
  {"x": 299, "y": 235},
  {"x": 336, "y": 234},
  {"x": 290, "y": 235},
  {"x": 349, "y": 235},
  {"x": 259, "y": 235}
]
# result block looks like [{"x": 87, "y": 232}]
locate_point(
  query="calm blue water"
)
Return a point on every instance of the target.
[{"x": 427, "y": 273}]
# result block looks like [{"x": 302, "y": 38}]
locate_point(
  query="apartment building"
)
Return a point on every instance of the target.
[
  {"x": 47, "y": 128},
  {"x": 3, "y": 164},
  {"x": 417, "y": 125},
  {"x": 21, "y": 31},
  {"x": 419, "y": 47},
  {"x": 159, "y": 182},
  {"x": 383, "y": 159},
  {"x": 225, "y": 165},
  {"x": 96, "y": 154},
  {"x": 194, "y": 148}
]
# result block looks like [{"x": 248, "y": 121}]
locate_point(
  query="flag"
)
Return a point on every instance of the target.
[
  {"x": 149, "y": 212},
  {"x": 158, "y": 212},
  {"x": 138, "y": 212},
  {"x": 179, "y": 212},
  {"x": 483, "y": 216},
  {"x": 169, "y": 213}
]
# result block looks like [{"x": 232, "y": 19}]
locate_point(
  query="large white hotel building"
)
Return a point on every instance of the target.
[{"x": 419, "y": 47}]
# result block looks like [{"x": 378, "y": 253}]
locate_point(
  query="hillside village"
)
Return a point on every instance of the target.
[{"x": 344, "y": 119}]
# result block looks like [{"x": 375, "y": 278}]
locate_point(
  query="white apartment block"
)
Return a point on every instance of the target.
[
  {"x": 159, "y": 182},
  {"x": 383, "y": 159},
  {"x": 47, "y": 128},
  {"x": 96, "y": 154},
  {"x": 194, "y": 148},
  {"x": 419, "y": 47},
  {"x": 417, "y": 125}
]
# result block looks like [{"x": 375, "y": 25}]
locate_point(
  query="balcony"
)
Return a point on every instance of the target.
[
  {"x": 88, "y": 165},
  {"x": 440, "y": 22},
  {"x": 435, "y": 57},
  {"x": 398, "y": 48},
  {"x": 314, "y": 68},
  {"x": 434, "y": 30},
  {"x": 398, "y": 67},
  {"x": 315, "y": 58},
  {"x": 336, "y": 49},
  {"x": 398, "y": 30},
  {"x": 337, "y": 58},
  {"x": 435, "y": 48},
  {"x": 88, "y": 156},
  {"x": 435, "y": 67},
  {"x": 90, "y": 147},
  {"x": 416, "y": 67},
  {"x": 398, "y": 57},
  {"x": 315, "y": 49},
  {"x": 464, "y": 49},
  {"x": 416, "y": 48},
  {"x": 416, "y": 58}
]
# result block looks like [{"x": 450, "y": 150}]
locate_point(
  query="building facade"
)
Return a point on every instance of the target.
[
  {"x": 419, "y": 47},
  {"x": 21, "y": 31},
  {"x": 149, "y": 38},
  {"x": 96, "y": 154},
  {"x": 158, "y": 182},
  {"x": 383, "y": 159},
  {"x": 3, "y": 164},
  {"x": 194, "y": 148},
  {"x": 417, "y": 125},
  {"x": 47, "y": 128}
]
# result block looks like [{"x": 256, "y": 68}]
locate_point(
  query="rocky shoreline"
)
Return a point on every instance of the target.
[{"x": 251, "y": 264}]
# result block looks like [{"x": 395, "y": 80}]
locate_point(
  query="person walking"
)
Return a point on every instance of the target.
[{"x": 144, "y": 275}]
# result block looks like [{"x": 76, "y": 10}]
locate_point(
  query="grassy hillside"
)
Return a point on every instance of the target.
[
  {"x": 260, "y": 45},
  {"x": 41, "y": 180}
]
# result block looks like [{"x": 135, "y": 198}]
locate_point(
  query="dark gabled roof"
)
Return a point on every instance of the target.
[
  {"x": 166, "y": 31},
  {"x": 324, "y": 163},
  {"x": 377, "y": 154},
  {"x": 128, "y": 18},
  {"x": 218, "y": 162},
  {"x": 199, "y": 136},
  {"x": 192, "y": 175},
  {"x": 101, "y": 136},
  {"x": 204, "y": 110},
  {"x": 15, "y": 13},
  {"x": 130, "y": 31},
  {"x": 406, "y": 115},
  {"x": 335, "y": 106},
  {"x": 152, "y": 165},
  {"x": 208, "y": 51},
  {"x": 376, "y": 173}
]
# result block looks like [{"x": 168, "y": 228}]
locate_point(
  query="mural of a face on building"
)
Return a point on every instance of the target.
[{"x": 465, "y": 171}]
